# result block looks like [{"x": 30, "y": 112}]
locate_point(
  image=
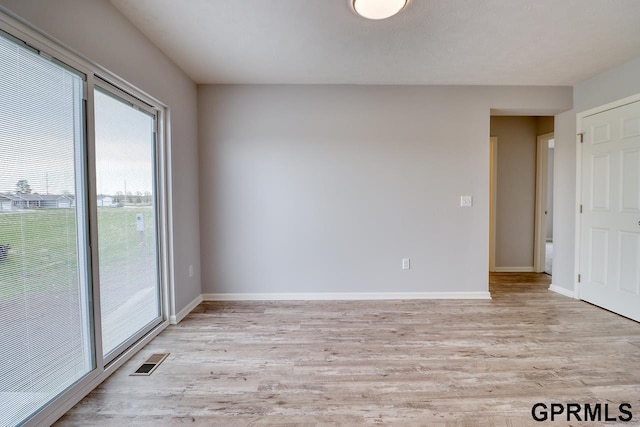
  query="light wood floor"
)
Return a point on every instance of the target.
[{"x": 404, "y": 363}]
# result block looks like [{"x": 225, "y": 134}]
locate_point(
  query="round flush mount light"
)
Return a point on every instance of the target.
[{"x": 378, "y": 9}]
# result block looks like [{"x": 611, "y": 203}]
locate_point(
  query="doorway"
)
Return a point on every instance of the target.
[
  {"x": 493, "y": 174},
  {"x": 548, "y": 264},
  {"x": 543, "y": 246},
  {"x": 518, "y": 224}
]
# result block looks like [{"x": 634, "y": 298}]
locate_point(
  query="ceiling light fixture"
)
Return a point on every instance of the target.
[{"x": 378, "y": 9}]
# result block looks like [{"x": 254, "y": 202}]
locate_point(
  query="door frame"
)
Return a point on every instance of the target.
[
  {"x": 578, "y": 219},
  {"x": 540, "y": 223},
  {"x": 493, "y": 187}
]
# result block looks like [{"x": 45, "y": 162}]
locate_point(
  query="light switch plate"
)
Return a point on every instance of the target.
[{"x": 466, "y": 201}]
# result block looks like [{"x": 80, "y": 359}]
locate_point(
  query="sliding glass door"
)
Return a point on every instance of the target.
[
  {"x": 45, "y": 317},
  {"x": 80, "y": 241},
  {"x": 127, "y": 221}
]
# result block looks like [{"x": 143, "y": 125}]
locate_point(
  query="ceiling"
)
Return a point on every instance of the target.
[{"x": 470, "y": 42}]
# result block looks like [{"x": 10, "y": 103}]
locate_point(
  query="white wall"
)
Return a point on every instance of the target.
[
  {"x": 564, "y": 200},
  {"x": 96, "y": 30},
  {"x": 326, "y": 188},
  {"x": 614, "y": 84},
  {"x": 516, "y": 191}
]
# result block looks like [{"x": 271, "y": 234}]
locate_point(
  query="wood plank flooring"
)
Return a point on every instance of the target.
[{"x": 402, "y": 363}]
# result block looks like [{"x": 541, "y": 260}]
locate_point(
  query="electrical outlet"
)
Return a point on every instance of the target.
[
  {"x": 191, "y": 270},
  {"x": 406, "y": 263},
  {"x": 466, "y": 201}
]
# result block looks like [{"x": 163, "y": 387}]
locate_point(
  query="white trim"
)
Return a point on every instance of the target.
[
  {"x": 610, "y": 106},
  {"x": 343, "y": 296},
  {"x": 578, "y": 223},
  {"x": 562, "y": 291},
  {"x": 167, "y": 204},
  {"x": 540, "y": 224},
  {"x": 514, "y": 269},
  {"x": 177, "y": 318},
  {"x": 493, "y": 197}
]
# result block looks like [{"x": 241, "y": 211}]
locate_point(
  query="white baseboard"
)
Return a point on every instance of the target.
[
  {"x": 562, "y": 291},
  {"x": 514, "y": 270},
  {"x": 175, "y": 319},
  {"x": 343, "y": 296}
]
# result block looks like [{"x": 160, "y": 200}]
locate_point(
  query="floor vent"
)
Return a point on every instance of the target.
[{"x": 150, "y": 364}]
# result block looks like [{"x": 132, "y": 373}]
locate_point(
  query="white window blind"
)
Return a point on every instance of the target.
[{"x": 45, "y": 344}]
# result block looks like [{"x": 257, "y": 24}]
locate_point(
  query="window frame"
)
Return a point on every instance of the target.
[
  {"x": 114, "y": 91},
  {"x": 96, "y": 75}
]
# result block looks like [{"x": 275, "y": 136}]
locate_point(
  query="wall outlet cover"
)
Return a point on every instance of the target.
[{"x": 466, "y": 201}]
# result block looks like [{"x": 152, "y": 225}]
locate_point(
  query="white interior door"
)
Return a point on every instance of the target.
[{"x": 610, "y": 221}]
